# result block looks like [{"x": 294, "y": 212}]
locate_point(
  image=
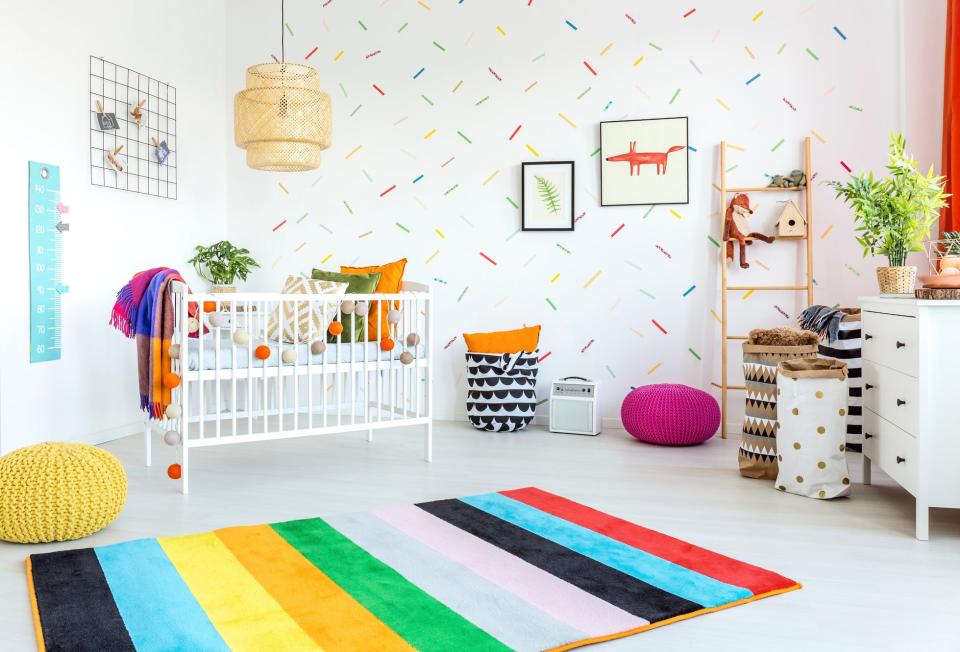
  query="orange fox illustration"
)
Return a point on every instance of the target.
[{"x": 636, "y": 159}]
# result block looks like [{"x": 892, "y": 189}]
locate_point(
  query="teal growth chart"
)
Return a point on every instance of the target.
[{"x": 45, "y": 259}]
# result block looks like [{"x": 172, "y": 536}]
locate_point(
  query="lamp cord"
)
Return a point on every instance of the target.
[{"x": 283, "y": 55}]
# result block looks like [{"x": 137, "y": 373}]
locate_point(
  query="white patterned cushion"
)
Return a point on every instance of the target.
[{"x": 308, "y": 314}]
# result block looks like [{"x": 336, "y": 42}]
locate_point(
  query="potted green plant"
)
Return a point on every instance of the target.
[
  {"x": 894, "y": 214},
  {"x": 222, "y": 264}
]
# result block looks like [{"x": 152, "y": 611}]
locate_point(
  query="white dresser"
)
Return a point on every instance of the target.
[{"x": 911, "y": 398}]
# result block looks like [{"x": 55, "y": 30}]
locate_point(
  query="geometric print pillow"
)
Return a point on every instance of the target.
[
  {"x": 300, "y": 319},
  {"x": 501, "y": 390}
]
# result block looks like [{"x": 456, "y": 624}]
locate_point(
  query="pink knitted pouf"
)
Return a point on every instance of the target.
[{"x": 670, "y": 415}]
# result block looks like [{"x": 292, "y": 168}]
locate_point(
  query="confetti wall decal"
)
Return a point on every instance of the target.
[{"x": 436, "y": 104}]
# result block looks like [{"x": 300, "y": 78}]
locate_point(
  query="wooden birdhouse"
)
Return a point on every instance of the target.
[{"x": 791, "y": 222}]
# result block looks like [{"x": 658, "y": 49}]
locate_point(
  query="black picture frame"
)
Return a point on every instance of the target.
[
  {"x": 603, "y": 158},
  {"x": 523, "y": 195}
]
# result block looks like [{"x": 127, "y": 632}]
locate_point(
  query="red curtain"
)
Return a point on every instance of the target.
[{"x": 950, "y": 216}]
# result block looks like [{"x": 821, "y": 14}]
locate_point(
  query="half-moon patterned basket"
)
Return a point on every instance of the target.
[{"x": 501, "y": 390}]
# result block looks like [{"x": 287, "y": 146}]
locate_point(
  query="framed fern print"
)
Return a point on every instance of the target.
[{"x": 546, "y": 193}]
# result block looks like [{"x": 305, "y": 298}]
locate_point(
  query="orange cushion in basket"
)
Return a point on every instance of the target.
[{"x": 521, "y": 339}]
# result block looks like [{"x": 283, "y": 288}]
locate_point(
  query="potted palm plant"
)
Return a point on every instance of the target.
[
  {"x": 222, "y": 264},
  {"x": 894, "y": 214}
]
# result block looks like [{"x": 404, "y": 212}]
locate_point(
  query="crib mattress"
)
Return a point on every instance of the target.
[{"x": 343, "y": 352}]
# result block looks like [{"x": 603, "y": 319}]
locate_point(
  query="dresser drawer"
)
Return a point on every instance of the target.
[
  {"x": 890, "y": 394},
  {"x": 892, "y": 449},
  {"x": 891, "y": 340}
]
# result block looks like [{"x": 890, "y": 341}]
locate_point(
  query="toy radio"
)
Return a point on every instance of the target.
[{"x": 573, "y": 406}]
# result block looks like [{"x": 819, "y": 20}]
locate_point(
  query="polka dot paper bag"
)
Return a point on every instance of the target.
[{"x": 811, "y": 440}]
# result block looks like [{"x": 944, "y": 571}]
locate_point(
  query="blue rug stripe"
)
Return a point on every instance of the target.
[
  {"x": 658, "y": 572},
  {"x": 158, "y": 609}
]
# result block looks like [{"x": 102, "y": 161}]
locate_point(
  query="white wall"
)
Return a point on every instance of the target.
[
  {"x": 849, "y": 95},
  {"x": 91, "y": 393}
]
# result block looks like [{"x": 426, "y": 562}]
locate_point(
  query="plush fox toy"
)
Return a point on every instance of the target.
[{"x": 736, "y": 227}]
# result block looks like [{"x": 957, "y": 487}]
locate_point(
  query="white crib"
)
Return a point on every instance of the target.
[{"x": 227, "y": 395}]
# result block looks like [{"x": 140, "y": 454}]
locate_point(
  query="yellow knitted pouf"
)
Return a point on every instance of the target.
[{"x": 58, "y": 492}]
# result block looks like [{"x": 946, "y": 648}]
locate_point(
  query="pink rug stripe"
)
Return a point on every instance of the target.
[{"x": 560, "y": 599}]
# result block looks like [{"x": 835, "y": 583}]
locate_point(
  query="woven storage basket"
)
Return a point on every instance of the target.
[
  {"x": 758, "y": 442},
  {"x": 897, "y": 280}
]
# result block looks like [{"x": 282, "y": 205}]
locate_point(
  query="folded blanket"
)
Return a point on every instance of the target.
[
  {"x": 144, "y": 311},
  {"x": 822, "y": 320}
]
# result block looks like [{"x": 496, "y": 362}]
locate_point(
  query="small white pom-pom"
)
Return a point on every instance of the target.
[
  {"x": 406, "y": 357},
  {"x": 174, "y": 351},
  {"x": 413, "y": 339},
  {"x": 171, "y": 438},
  {"x": 217, "y": 319},
  {"x": 347, "y": 307},
  {"x": 241, "y": 336},
  {"x": 318, "y": 347},
  {"x": 173, "y": 411},
  {"x": 289, "y": 356},
  {"x": 393, "y": 316},
  {"x": 361, "y": 308}
]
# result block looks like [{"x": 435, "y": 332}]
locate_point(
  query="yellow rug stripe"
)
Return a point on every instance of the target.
[
  {"x": 244, "y": 613},
  {"x": 324, "y": 610}
]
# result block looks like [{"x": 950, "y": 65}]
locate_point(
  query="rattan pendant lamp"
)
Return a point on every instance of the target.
[{"x": 282, "y": 118}]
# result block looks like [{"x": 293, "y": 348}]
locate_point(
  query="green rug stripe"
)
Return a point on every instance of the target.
[{"x": 421, "y": 620}]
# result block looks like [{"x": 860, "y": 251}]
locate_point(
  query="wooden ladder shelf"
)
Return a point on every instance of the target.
[{"x": 807, "y": 286}]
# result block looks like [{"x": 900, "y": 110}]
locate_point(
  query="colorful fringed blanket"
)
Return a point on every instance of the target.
[{"x": 144, "y": 311}]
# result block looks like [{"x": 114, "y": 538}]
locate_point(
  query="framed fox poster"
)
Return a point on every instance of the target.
[
  {"x": 546, "y": 196},
  {"x": 644, "y": 162}
]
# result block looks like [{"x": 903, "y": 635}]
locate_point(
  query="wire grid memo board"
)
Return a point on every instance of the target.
[{"x": 142, "y": 157}]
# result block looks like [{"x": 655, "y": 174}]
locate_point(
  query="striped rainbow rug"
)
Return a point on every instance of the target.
[{"x": 514, "y": 570}]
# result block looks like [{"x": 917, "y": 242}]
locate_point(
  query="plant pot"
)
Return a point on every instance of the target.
[
  {"x": 950, "y": 261},
  {"x": 897, "y": 280},
  {"x": 225, "y": 289}
]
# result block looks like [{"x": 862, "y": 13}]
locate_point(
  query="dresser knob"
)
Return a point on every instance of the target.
[
  {"x": 867, "y": 336},
  {"x": 900, "y": 345},
  {"x": 868, "y": 386},
  {"x": 900, "y": 402},
  {"x": 867, "y": 435},
  {"x": 901, "y": 460}
]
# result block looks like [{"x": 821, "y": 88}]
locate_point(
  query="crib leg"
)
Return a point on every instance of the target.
[
  {"x": 184, "y": 470},
  {"x": 147, "y": 431},
  {"x": 369, "y": 434},
  {"x": 428, "y": 443}
]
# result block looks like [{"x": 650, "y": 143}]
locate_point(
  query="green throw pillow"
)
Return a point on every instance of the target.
[{"x": 356, "y": 284}]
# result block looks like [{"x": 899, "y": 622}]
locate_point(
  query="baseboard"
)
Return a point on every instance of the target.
[
  {"x": 611, "y": 423},
  {"x": 110, "y": 434}
]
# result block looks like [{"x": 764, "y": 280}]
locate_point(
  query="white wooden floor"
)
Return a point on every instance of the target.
[{"x": 869, "y": 585}]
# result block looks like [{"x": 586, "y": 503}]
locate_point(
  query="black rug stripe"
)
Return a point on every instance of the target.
[
  {"x": 613, "y": 586},
  {"x": 77, "y": 611}
]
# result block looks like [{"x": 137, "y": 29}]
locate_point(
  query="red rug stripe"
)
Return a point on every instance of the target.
[{"x": 703, "y": 561}]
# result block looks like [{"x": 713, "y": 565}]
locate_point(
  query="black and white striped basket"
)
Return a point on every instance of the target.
[
  {"x": 501, "y": 390},
  {"x": 847, "y": 349}
]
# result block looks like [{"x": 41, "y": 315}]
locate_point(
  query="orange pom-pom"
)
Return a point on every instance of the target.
[
  {"x": 387, "y": 344},
  {"x": 174, "y": 472},
  {"x": 209, "y": 306},
  {"x": 335, "y": 328},
  {"x": 262, "y": 352},
  {"x": 171, "y": 380}
]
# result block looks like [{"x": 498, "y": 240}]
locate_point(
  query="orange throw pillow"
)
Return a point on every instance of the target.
[
  {"x": 391, "y": 278},
  {"x": 521, "y": 339}
]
